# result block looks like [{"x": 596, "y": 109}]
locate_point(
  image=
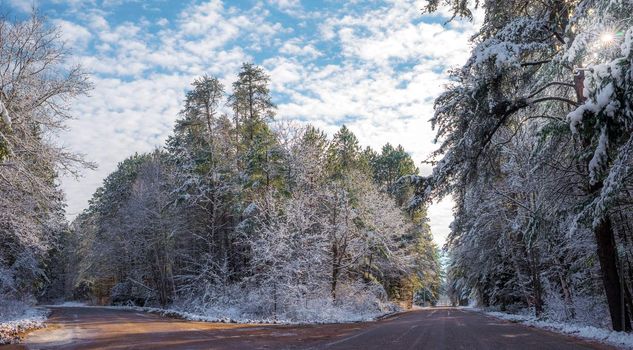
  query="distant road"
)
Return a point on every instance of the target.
[{"x": 439, "y": 328}]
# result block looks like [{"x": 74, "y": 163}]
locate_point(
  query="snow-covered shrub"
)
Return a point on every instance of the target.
[
  {"x": 355, "y": 301},
  {"x": 586, "y": 310},
  {"x": 17, "y": 317}
]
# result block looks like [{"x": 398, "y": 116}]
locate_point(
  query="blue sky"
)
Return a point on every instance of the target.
[{"x": 374, "y": 65}]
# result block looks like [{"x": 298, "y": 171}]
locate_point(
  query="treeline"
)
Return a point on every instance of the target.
[
  {"x": 237, "y": 212},
  {"x": 536, "y": 148}
]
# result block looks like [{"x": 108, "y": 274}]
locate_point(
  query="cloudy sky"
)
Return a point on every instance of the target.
[{"x": 375, "y": 66}]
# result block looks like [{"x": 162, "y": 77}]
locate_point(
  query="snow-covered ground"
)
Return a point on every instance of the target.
[
  {"x": 335, "y": 316},
  {"x": 234, "y": 316},
  {"x": 12, "y": 327},
  {"x": 620, "y": 339}
]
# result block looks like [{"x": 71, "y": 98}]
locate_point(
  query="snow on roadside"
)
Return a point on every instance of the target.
[
  {"x": 244, "y": 320},
  {"x": 195, "y": 317},
  {"x": 241, "y": 320},
  {"x": 620, "y": 339},
  {"x": 12, "y": 329},
  {"x": 72, "y": 304}
]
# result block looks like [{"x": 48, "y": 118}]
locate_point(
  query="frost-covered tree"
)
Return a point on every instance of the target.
[
  {"x": 288, "y": 253},
  {"x": 151, "y": 229},
  {"x": 131, "y": 233},
  {"x": 535, "y": 128},
  {"x": 36, "y": 88},
  {"x": 206, "y": 188}
]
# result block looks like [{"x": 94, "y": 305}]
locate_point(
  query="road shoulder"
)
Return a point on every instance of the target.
[{"x": 587, "y": 333}]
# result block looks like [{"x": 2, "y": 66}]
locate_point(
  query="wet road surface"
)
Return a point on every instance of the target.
[{"x": 437, "y": 329}]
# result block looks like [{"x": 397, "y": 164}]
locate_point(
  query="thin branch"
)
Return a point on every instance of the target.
[
  {"x": 555, "y": 98},
  {"x": 535, "y": 63},
  {"x": 550, "y": 84}
]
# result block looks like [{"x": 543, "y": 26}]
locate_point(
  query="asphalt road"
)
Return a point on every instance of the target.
[{"x": 439, "y": 328}]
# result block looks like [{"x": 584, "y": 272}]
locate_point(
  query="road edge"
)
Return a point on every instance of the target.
[
  {"x": 186, "y": 316},
  {"x": 620, "y": 340}
]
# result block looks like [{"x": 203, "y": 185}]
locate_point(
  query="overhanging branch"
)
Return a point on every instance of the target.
[
  {"x": 538, "y": 91},
  {"x": 507, "y": 109},
  {"x": 555, "y": 98}
]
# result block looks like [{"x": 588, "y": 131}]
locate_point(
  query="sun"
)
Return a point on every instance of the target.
[{"x": 607, "y": 38}]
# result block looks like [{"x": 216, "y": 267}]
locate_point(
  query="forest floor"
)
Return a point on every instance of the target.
[{"x": 435, "y": 328}]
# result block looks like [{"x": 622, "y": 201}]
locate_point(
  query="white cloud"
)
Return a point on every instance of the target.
[
  {"x": 23, "y": 5},
  {"x": 294, "y": 47},
  {"x": 441, "y": 215},
  {"x": 76, "y": 4},
  {"x": 286, "y": 4},
  {"x": 395, "y": 33},
  {"x": 203, "y": 18},
  {"x": 73, "y": 34},
  {"x": 294, "y": 8}
]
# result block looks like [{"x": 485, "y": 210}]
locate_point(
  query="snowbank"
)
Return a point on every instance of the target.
[
  {"x": 620, "y": 339},
  {"x": 355, "y": 302},
  {"x": 12, "y": 328},
  {"x": 72, "y": 304},
  {"x": 231, "y": 317}
]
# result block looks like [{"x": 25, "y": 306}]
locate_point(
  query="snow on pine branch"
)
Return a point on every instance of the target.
[
  {"x": 509, "y": 45},
  {"x": 608, "y": 111}
]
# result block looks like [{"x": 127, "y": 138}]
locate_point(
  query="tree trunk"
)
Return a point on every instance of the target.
[
  {"x": 567, "y": 295},
  {"x": 335, "y": 270},
  {"x": 537, "y": 286},
  {"x": 275, "y": 302},
  {"x": 607, "y": 255}
]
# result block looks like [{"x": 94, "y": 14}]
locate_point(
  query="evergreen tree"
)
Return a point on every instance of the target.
[
  {"x": 259, "y": 154},
  {"x": 389, "y": 167},
  {"x": 344, "y": 153}
]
